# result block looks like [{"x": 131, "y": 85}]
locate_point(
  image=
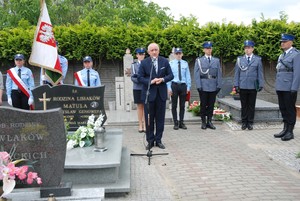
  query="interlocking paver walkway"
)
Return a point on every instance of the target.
[{"x": 222, "y": 164}]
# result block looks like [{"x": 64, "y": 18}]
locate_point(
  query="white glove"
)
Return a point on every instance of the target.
[
  {"x": 9, "y": 101},
  {"x": 43, "y": 77},
  {"x": 30, "y": 101}
]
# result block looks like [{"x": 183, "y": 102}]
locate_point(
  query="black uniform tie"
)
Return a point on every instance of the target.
[
  {"x": 179, "y": 70},
  {"x": 248, "y": 60},
  {"x": 19, "y": 74},
  {"x": 208, "y": 59},
  {"x": 88, "y": 77}
]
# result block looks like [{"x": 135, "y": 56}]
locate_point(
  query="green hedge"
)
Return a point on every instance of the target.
[{"x": 109, "y": 43}]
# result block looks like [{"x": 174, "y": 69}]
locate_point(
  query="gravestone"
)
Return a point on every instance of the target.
[
  {"x": 120, "y": 98},
  {"x": 128, "y": 92},
  {"x": 38, "y": 136},
  {"x": 226, "y": 88},
  {"x": 77, "y": 103}
]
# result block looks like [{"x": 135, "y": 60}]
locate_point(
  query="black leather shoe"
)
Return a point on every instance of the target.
[
  {"x": 244, "y": 126},
  {"x": 250, "y": 127},
  {"x": 288, "y": 136},
  {"x": 182, "y": 126},
  {"x": 149, "y": 146},
  {"x": 176, "y": 127},
  {"x": 210, "y": 125},
  {"x": 160, "y": 145}
]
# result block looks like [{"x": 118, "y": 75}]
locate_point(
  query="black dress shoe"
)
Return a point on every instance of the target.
[
  {"x": 149, "y": 146},
  {"x": 175, "y": 127},
  {"x": 244, "y": 126},
  {"x": 160, "y": 145},
  {"x": 210, "y": 125},
  {"x": 203, "y": 126},
  {"x": 250, "y": 127},
  {"x": 182, "y": 126},
  {"x": 140, "y": 131}
]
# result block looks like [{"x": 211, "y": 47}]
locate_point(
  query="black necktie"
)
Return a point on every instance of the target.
[
  {"x": 284, "y": 54},
  {"x": 208, "y": 59},
  {"x": 88, "y": 77},
  {"x": 179, "y": 71},
  {"x": 19, "y": 74},
  {"x": 248, "y": 59}
]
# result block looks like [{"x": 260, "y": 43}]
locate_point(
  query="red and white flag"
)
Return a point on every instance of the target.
[{"x": 44, "y": 50}]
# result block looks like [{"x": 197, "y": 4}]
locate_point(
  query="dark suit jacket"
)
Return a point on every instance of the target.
[{"x": 164, "y": 71}]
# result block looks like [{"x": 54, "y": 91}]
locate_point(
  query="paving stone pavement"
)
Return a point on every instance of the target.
[{"x": 222, "y": 164}]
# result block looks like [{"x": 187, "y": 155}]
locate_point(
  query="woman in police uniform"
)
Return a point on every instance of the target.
[
  {"x": 19, "y": 83},
  {"x": 248, "y": 80},
  {"x": 137, "y": 88}
]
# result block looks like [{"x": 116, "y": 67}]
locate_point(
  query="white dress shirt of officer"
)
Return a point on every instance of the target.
[
  {"x": 179, "y": 87},
  {"x": 208, "y": 79},
  {"x": 287, "y": 85},
  {"x": 94, "y": 75},
  {"x": 15, "y": 97},
  {"x": 64, "y": 67},
  {"x": 248, "y": 80}
]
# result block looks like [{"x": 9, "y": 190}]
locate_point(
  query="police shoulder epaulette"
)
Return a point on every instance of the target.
[{"x": 296, "y": 50}]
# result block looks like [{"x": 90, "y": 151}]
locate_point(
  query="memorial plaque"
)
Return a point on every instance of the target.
[
  {"x": 38, "y": 136},
  {"x": 77, "y": 103}
]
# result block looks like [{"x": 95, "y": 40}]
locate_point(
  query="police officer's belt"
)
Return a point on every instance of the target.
[
  {"x": 286, "y": 70},
  {"x": 177, "y": 83},
  {"x": 208, "y": 77}
]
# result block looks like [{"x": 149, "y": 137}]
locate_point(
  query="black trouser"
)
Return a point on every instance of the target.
[
  {"x": 248, "y": 100},
  {"x": 178, "y": 90},
  {"x": 287, "y": 101},
  {"x": 19, "y": 100},
  {"x": 207, "y": 101}
]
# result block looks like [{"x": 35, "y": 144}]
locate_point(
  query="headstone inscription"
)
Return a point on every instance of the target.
[
  {"x": 77, "y": 103},
  {"x": 38, "y": 136}
]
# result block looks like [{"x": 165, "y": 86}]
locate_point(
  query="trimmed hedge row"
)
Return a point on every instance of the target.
[{"x": 109, "y": 43}]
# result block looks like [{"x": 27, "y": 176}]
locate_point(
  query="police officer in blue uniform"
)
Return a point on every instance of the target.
[
  {"x": 248, "y": 80},
  {"x": 89, "y": 76},
  {"x": 208, "y": 78},
  {"x": 16, "y": 97},
  {"x": 287, "y": 84},
  {"x": 179, "y": 87},
  {"x": 137, "y": 88}
]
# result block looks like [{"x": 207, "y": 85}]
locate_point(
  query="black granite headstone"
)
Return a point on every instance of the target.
[
  {"x": 38, "y": 136},
  {"x": 227, "y": 86},
  {"x": 77, "y": 103}
]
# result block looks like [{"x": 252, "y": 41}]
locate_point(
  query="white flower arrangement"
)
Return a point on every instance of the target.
[{"x": 84, "y": 135}]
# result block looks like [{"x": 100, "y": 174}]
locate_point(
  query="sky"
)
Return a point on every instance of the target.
[{"x": 236, "y": 11}]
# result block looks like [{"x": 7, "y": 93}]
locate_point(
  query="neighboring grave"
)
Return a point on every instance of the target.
[
  {"x": 128, "y": 90},
  {"x": 38, "y": 136},
  {"x": 120, "y": 102},
  {"x": 77, "y": 103}
]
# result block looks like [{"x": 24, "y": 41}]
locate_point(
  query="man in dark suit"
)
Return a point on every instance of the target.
[
  {"x": 154, "y": 73},
  {"x": 287, "y": 85}
]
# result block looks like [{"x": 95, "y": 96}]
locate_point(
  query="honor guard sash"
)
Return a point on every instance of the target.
[{"x": 78, "y": 77}]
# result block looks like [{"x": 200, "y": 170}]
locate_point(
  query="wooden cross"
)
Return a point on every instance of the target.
[{"x": 44, "y": 100}]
